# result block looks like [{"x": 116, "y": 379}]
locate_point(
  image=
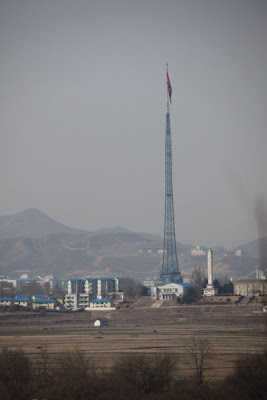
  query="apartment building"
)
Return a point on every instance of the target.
[{"x": 82, "y": 291}]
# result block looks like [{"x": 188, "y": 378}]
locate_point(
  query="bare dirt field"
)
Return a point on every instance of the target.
[{"x": 231, "y": 330}]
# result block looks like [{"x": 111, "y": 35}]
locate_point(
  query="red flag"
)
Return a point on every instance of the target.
[{"x": 169, "y": 88}]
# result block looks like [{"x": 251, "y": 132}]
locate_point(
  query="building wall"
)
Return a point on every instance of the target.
[
  {"x": 250, "y": 287},
  {"x": 48, "y": 306},
  {"x": 168, "y": 292},
  {"x": 21, "y": 303},
  {"x": 83, "y": 300},
  {"x": 197, "y": 252},
  {"x": 97, "y": 305},
  {"x": 76, "y": 286},
  {"x": 90, "y": 287},
  {"x": 71, "y": 301},
  {"x": 5, "y": 302},
  {"x": 210, "y": 291},
  {"x": 81, "y": 291}
]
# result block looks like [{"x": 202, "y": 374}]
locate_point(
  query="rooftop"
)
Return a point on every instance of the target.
[
  {"x": 42, "y": 300},
  {"x": 20, "y": 297},
  {"x": 254, "y": 280},
  {"x": 100, "y": 301},
  {"x": 184, "y": 284}
]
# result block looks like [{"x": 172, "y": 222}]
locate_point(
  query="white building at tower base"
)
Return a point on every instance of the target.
[{"x": 170, "y": 291}]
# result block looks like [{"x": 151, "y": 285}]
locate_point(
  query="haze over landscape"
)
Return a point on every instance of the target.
[
  {"x": 133, "y": 207},
  {"x": 32, "y": 241},
  {"x": 83, "y": 112}
]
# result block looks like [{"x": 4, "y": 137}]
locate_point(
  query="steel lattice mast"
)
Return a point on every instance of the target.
[{"x": 169, "y": 271}]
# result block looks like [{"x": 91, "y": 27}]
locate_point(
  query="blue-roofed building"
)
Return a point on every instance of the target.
[
  {"x": 171, "y": 291},
  {"x": 22, "y": 300},
  {"x": 6, "y": 301},
  {"x": 82, "y": 291},
  {"x": 43, "y": 303},
  {"x": 19, "y": 300},
  {"x": 76, "y": 286},
  {"x": 107, "y": 286},
  {"x": 101, "y": 304}
]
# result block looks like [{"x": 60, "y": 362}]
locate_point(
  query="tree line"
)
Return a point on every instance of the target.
[
  {"x": 75, "y": 376},
  {"x": 224, "y": 286}
]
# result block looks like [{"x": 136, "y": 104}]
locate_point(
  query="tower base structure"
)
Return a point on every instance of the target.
[
  {"x": 166, "y": 279},
  {"x": 210, "y": 291}
]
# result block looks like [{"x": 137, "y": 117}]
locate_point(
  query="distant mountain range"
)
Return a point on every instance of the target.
[
  {"x": 31, "y": 223},
  {"x": 30, "y": 240}
]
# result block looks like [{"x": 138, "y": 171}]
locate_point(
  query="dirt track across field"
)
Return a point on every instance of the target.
[{"x": 231, "y": 330}]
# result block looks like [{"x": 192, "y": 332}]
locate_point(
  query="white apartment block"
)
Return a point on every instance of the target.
[{"x": 81, "y": 291}]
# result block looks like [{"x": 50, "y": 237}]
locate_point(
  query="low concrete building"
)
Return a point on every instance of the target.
[
  {"x": 19, "y": 300},
  {"x": 101, "y": 304},
  {"x": 170, "y": 291},
  {"x": 197, "y": 251},
  {"x": 23, "y": 301},
  {"x": 241, "y": 253},
  {"x": 250, "y": 287},
  {"x": 6, "y": 301},
  {"x": 101, "y": 322},
  {"x": 43, "y": 303},
  {"x": 160, "y": 251}
]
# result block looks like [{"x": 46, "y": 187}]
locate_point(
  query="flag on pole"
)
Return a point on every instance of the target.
[{"x": 169, "y": 88}]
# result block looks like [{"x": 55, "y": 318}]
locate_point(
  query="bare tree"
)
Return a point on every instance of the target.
[
  {"x": 132, "y": 288},
  {"x": 197, "y": 277},
  {"x": 141, "y": 373},
  {"x": 199, "y": 351},
  {"x": 249, "y": 377},
  {"x": 165, "y": 367},
  {"x": 15, "y": 373},
  {"x": 74, "y": 375}
]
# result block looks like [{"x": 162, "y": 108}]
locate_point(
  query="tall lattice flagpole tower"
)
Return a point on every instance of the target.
[{"x": 170, "y": 270}]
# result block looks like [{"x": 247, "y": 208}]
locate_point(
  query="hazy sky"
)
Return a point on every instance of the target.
[{"x": 82, "y": 113}]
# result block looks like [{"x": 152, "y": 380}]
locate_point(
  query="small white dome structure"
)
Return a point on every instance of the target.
[{"x": 101, "y": 322}]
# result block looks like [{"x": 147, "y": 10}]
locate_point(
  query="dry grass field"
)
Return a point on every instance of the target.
[{"x": 231, "y": 330}]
